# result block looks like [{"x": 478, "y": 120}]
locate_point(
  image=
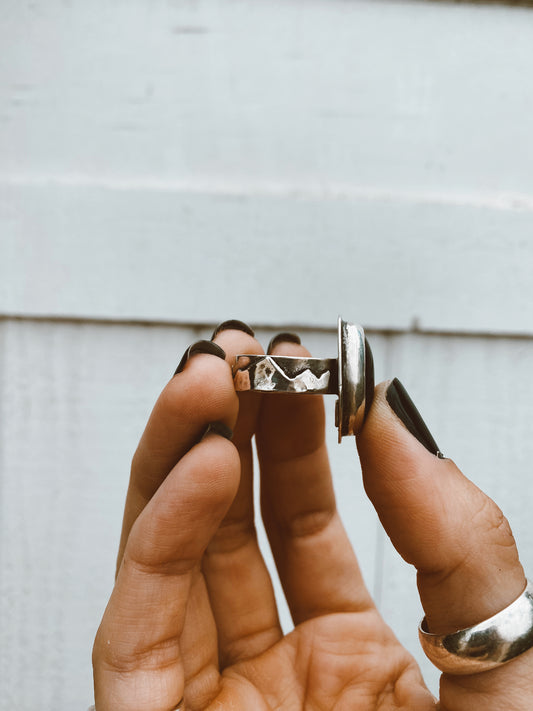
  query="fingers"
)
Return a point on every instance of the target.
[
  {"x": 456, "y": 536},
  {"x": 202, "y": 392},
  {"x": 316, "y": 564},
  {"x": 139, "y": 647},
  {"x": 238, "y": 581}
]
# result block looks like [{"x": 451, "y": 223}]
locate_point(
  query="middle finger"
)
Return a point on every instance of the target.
[
  {"x": 200, "y": 392},
  {"x": 316, "y": 563}
]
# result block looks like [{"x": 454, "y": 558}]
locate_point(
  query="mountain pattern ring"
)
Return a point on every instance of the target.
[{"x": 350, "y": 376}]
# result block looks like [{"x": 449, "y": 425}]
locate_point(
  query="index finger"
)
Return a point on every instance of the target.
[{"x": 201, "y": 393}]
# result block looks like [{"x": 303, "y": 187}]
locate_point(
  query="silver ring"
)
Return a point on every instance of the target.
[
  {"x": 491, "y": 643},
  {"x": 350, "y": 376}
]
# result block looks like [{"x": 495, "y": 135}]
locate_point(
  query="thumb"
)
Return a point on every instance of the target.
[
  {"x": 439, "y": 521},
  {"x": 140, "y": 656}
]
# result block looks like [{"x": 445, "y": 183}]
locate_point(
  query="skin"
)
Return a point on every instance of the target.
[{"x": 193, "y": 616}]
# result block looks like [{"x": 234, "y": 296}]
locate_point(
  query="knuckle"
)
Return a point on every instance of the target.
[
  {"x": 489, "y": 519},
  {"x": 232, "y": 535},
  {"x": 154, "y": 562},
  {"x": 497, "y": 527},
  {"x": 487, "y": 529},
  {"x": 306, "y": 524},
  {"x": 124, "y": 658}
]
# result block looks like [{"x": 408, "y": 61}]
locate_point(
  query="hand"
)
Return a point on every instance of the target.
[{"x": 193, "y": 615}]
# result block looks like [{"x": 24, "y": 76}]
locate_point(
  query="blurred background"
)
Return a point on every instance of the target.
[{"x": 166, "y": 165}]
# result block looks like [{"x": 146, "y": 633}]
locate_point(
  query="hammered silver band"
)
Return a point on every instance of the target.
[
  {"x": 491, "y": 643},
  {"x": 350, "y": 376}
]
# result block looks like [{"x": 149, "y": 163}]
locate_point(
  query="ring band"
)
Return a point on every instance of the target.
[
  {"x": 491, "y": 643},
  {"x": 350, "y": 376}
]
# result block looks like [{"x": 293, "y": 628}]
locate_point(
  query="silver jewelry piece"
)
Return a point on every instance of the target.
[
  {"x": 496, "y": 641},
  {"x": 350, "y": 376}
]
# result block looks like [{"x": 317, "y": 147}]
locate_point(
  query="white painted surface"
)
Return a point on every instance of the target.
[
  {"x": 271, "y": 160},
  {"x": 375, "y": 93},
  {"x": 379, "y": 148},
  {"x": 162, "y": 256},
  {"x": 74, "y": 401}
]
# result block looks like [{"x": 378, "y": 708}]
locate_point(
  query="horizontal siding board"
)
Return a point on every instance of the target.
[
  {"x": 194, "y": 258},
  {"x": 372, "y": 153},
  {"x": 74, "y": 400},
  {"x": 370, "y": 92},
  {"x": 185, "y": 162}
]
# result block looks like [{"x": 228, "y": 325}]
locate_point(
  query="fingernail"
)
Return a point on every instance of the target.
[
  {"x": 283, "y": 338},
  {"x": 219, "y": 428},
  {"x": 369, "y": 377},
  {"x": 200, "y": 347},
  {"x": 405, "y": 409},
  {"x": 233, "y": 324}
]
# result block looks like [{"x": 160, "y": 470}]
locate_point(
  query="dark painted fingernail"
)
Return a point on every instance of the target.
[
  {"x": 200, "y": 347},
  {"x": 219, "y": 428},
  {"x": 233, "y": 324},
  {"x": 369, "y": 377},
  {"x": 404, "y": 407},
  {"x": 283, "y": 338}
]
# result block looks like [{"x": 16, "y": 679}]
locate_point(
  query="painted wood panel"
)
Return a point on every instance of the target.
[
  {"x": 155, "y": 150},
  {"x": 74, "y": 399},
  {"x": 183, "y": 162},
  {"x": 159, "y": 256},
  {"x": 394, "y": 95}
]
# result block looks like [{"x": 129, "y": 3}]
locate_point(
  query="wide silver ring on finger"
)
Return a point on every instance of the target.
[
  {"x": 491, "y": 643},
  {"x": 350, "y": 376}
]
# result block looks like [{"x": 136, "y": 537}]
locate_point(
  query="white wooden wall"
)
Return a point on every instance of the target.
[{"x": 166, "y": 165}]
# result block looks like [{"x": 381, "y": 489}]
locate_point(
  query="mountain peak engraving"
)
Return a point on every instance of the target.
[{"x": 269, "y": 376}]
